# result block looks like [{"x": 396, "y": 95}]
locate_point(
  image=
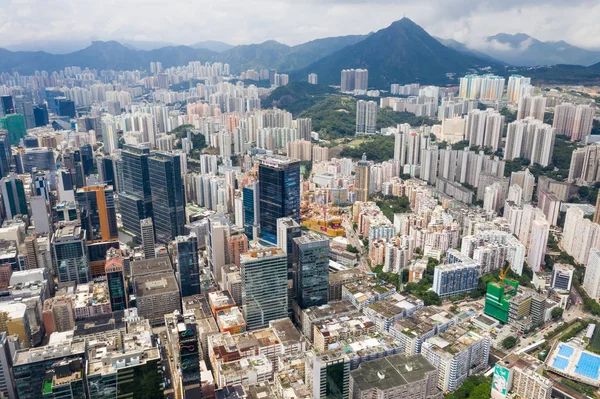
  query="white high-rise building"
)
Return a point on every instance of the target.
[
  {"x": 366, "y": 117},
  {"x": 218, "y": 252},
  {"x": 515, "y": 194},
  {"x": 531, "y": 139},
  {"x": 585, "y": 164},
  {"x": 313, "y": 79},
  {"x": 579, "y": 235},
  {"x": 486, "y": 87},
  {"x": 513, "y": 88},
  {"x": 575, "y": 121},
  {"x": 537, "y": 244},
  {"x": 484, "y": 128},
  {"x": 532, "y": 106},
  {"x": 591, "y": 280},
  {"x": 354, "y": 80},
  {"x": 361, "y": 79},
  {"x": 526, "y": 180}
]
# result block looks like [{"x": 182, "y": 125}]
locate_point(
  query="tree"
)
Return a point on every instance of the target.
[
  {"x": 557, "y": 312},
  {"x": 351, "y": 248},
  {"x": 509, "y": 342}
]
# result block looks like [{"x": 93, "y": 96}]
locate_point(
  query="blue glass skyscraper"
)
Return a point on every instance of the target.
[
  {"x": 135, "y": 197},
  {"x": 312, "y": 274},
  {"x": 188, "y": 270},
  {"x": 279, "y": 193},
  {"x": 168, "y": 195},
  {"x": 251, "y": 210}
]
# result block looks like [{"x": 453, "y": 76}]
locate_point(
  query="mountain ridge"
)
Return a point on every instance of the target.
[{"x": 401, "y": 53}]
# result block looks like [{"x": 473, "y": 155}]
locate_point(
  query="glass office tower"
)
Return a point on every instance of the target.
[
  {"x": 168, "y": 196},
  {"x": 135, "y": 197},
  {"x": 312, "y": 275},
  {"x": 188, "y": 270},
  {"x": 279, "y": 193}
]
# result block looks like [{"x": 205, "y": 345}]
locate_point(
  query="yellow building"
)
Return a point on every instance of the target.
[{"x": 13, "y": 321}]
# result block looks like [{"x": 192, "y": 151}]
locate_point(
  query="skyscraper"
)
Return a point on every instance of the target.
[
  {"x": 279, "y": 193},
  {"x": 70, "y": 257},
  {"x": 5, "y": 154},
  {"x": 64, "y": 107},
  {"x": 40, "y": 115},
  {"x": 97, "y": 212},
  {"x": 147, "y": 234},
  {"x": 251, "y": 203},
  {"x": 136, "y": 203},
  {"x": 313, "y": 78},
  {"x": 312, "y": 273},
  {"x": 484, "y": 128},
  {"x": 15, "y": 125},
  {"x": 362, "y": 179},
  {"x": 538, "y": 242},
  {"x": 534, "y": 106},
  {"x": 115, "y": 277},
  {"x": 24, "y": 106},
  {"x": 6, "y": 105},
  {"x": 530, "y": 139},
  {"x": 264, "y": 286},
  {"x": 574, "y": 121},
  {"x": 218, "y": 254},
  {"x": 366, "y": 117},
  {"x": 591, "y": 280},
  {"x": 168, "y": 195},
  {"x": 187, "y": 269},
  {"x": 513, "y": 88},
  {"x": 13, "y": 196}
]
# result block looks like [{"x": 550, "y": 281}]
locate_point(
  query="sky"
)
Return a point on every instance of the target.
[{"x": 290, "y": 21}]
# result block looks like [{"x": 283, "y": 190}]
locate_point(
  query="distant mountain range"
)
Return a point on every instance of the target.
[
  {"x": 114, "y": 55},
  {"x": 523, "y": 50},
  {"x": 400, "y": 53},
  {"x": 101, "y": 55}
]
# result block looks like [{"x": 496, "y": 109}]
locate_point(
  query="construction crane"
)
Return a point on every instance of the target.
[{"x": 504, "y": 273}]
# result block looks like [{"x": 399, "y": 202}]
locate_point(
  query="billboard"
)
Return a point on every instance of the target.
[{"x": 500, "y": 382}]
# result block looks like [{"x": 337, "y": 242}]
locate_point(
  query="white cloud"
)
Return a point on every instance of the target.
[{"x": 292, "y": 21}]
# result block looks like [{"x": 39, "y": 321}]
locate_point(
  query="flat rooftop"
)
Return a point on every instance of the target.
[
  {"x": 331, "y": 309},
  {"x": 151, "y": 266},
  {"x": 155, "y": 284},
  {"x": 49, "y": 352},
  {"x": 391, "y": 371},
  {"x": 287, "y": 333}
]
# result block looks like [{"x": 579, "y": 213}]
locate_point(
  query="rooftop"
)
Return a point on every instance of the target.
[
  {"x": 454, "y": 340},
  {"x": 155, "y": 284},
  {"x": 68, "y": 232},
  {"x": 287, "y": 333},
  {"x": 220, "y": 299},
  {"x": 396, "y": 304},
  {"x": 91, "y": 294},
  {"x": 48, "y": 352},
  {"x": 229, "y": 318},
  {"x": 278, "y": 161},
  {"x": 151, "y": 266},
  {"x": 391, "y": 371},
  {"x": 333, "y": 308}
]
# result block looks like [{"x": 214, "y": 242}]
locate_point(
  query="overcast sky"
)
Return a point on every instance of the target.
[{"x": 292, "y": 21}]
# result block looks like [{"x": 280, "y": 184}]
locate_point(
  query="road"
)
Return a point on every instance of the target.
[{"x": 355, "y": 241}]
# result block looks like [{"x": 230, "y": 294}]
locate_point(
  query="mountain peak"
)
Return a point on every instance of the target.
[
  {"x": 401, "y": 53},
  {"x": 110, "y": 44}
]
